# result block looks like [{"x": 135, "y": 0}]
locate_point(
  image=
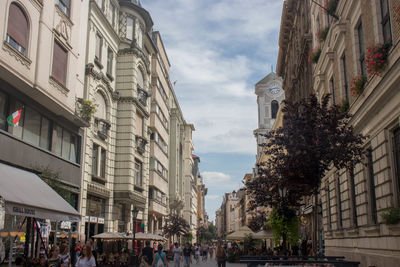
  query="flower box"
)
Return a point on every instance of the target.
[
  {"x": 376, "y": 59},
  {"x": 358, "y": 85}
]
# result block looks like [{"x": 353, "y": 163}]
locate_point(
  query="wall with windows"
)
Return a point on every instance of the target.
[{"x": 353, "y": 201}]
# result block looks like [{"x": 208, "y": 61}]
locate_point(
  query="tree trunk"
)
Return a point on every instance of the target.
[{"x": 284, "y": 243}]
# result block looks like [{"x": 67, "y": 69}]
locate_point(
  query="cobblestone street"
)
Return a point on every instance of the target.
[{"x": 209, "y": 262}]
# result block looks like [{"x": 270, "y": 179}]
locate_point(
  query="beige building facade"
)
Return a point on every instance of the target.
[
  {"x": 353, "y": 202},
  {"x": 42, "y": 63}
]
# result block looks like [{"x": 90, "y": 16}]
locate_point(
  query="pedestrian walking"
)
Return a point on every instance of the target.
[
  {"x": 86, "y": 259},
  {"x": 197, "y": 253},
  {"x": 205, "y": 251},
  {"x": 159, "y": 258},
  {"x": 147, "y": 252},
  {"x": 220, "y": 255},
  {"x": 187, "y": 252},
  {"x": 177, "y": 250},
  {"x": 54, "y": 260},
  {"x": 64, "y": 255}
]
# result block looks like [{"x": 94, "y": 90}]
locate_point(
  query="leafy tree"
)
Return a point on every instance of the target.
[
  {"x": 176, "y": 225},
  {"x": 314, "y": 138},
  {"x": 176, "y": 206},
  {"x": 257, "y": 222}
]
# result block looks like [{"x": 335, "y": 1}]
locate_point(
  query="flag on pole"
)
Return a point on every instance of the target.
[{"x": 13, "y": 119}]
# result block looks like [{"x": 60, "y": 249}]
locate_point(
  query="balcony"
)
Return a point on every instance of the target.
[
  {"x": 142, "y": 96},
  {"x": 102, "y": 128},
  {"x": 141, "y": 143}
]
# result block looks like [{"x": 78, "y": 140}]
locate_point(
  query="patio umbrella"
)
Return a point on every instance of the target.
[
  {"x": 263, "y": 234},
  {"x": 240, "y": 234},
  {"x": 109, "y": 235},
  {"x": 146, "y": 236}
]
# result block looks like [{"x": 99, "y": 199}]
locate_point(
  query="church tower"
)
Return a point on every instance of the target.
[{"x": 269, "y": 97}]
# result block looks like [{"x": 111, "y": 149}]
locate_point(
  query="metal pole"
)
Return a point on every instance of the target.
[{"x": 133, "y": 259}]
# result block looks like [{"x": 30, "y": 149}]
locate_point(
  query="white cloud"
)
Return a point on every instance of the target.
[
  {"x": 218, "y": 50},
  {"x": 212, "y": 197},
  {"x": 215, "y": 178}
]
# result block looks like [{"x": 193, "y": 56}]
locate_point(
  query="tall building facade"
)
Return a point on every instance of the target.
[
  {"x": 354, "y": 201},
  {"x": 42, "y": 74},
  {"x": 269, "y": 97},
  {"x": 160, "y": 127}
]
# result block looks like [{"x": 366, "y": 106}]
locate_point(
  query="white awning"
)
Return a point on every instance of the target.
[{"x": 25, "y": 194}]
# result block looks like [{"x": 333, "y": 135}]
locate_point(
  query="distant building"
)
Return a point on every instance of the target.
[{"x": 269, "y": 97}]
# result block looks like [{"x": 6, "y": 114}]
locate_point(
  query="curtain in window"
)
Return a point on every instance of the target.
[
  {"x": 59, "y": 71},
  {"x": 18, "y": 27}
]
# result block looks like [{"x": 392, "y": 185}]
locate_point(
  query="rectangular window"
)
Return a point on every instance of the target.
[
  {"x": 138, "y": 173},
  {"x": 31, "y": 131},
  {"x": 396, "y": 150},
  {"x": 110, "y": 57},
  {"x": 59, "y": 70},
  {"x": 95, "y": 156},
  {"x": 65, "y": 6},
  {"x": 328, "y": 206},
  {"x": 372, "y": 196},
  {"x": 103, "y": 163},
  {"x": 45, "y": 134},
  {"x": 339, "y": 203},
  {"x": 99, "y": 44},
  {"x": 66, "y": 144},
  {"x": 353, "y": 197},
  {"x": 129, "y": 28},
  {"x": 3, "y": 111},
  {"x": 332, "y": 85},
  {"x": 58, "y": 141},
  {"x": 361, "y": 49},
  {"x": 386, "y": 31},
  {"x": 346, "y": 83}
]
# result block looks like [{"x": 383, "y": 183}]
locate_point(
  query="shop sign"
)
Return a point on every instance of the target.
[
  {"x": 100, "y": 220},
  {"x": 65, "y": 225},
  {"x": 93, "y": 219},
  {"x": 87, "y": 218}
]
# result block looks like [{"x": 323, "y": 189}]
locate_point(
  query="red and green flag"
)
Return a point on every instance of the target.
[{"x": 13, "y": 119}]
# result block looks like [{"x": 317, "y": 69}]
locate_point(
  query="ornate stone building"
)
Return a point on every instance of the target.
[
  {"x": 354, "y": 201},
  {"x": 42, "y": 63},
  {"x": 269, "y": 97}
]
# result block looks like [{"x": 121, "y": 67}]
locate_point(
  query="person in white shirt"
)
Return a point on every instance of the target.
[
  {"x": 86, "y": 259},
  {"x": 177, "y": 250}
]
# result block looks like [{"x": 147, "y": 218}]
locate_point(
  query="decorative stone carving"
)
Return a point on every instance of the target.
[
  {"x": 63, "y": 30},
  {"x": 17, "y": 55},
  {"x": 57, "y": 85},
  {"x": 89, "y": 70}
]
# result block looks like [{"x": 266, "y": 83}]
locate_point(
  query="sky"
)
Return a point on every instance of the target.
[{"x": 219, "y": 50}]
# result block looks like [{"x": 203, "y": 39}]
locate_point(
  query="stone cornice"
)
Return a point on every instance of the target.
[
  {"x": 136, "y": 102},
  {"x": 89, "y": 70}
]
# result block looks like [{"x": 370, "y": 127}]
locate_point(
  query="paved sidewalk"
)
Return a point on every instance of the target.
[{"x": 209, "y": 262}]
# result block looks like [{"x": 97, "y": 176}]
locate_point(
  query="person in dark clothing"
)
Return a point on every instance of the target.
[
  {"x": 303, "y": 247},
  {"x": 295, "y": 250},
  {"x": 148, "y": 252}
]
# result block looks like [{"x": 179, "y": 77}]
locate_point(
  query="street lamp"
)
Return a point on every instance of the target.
[
  {"x": 135, "y": 212},
  {"x": 282, "y": 193}
]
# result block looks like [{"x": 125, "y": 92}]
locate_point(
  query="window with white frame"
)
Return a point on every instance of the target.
[
  {"x": 160, "y": 141},
  {"x": 138, "y": 173},
  {"x": 99, "y": 155},
  {"x": 129, "y": 28},
  {"x": 65, "y": 6},
  {"x": 99, "y": 45},
  {"x": 17, "y": 29}
]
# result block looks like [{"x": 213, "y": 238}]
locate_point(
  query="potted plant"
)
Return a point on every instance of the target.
[
  {"x": 314, "y": 55},
  {"x": 358, "y": 85},
  {"x": 322, "y": 34},
  {"x": 344, "y": 106},
  {"x": 377, "y": 56},
  {"x": 86, "y": 108},
  {"x": 392, "y": 216}
]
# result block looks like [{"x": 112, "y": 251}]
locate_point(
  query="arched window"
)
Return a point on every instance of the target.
[
  {"x": 18, "y": 29},
  {"x": 274, "y": 108},
  {"x": 101, "y": 109},
  {"x": 140, "y": 79}
]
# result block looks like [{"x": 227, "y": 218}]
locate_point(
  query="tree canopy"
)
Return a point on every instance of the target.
[{"x": 314, "y": 138}]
